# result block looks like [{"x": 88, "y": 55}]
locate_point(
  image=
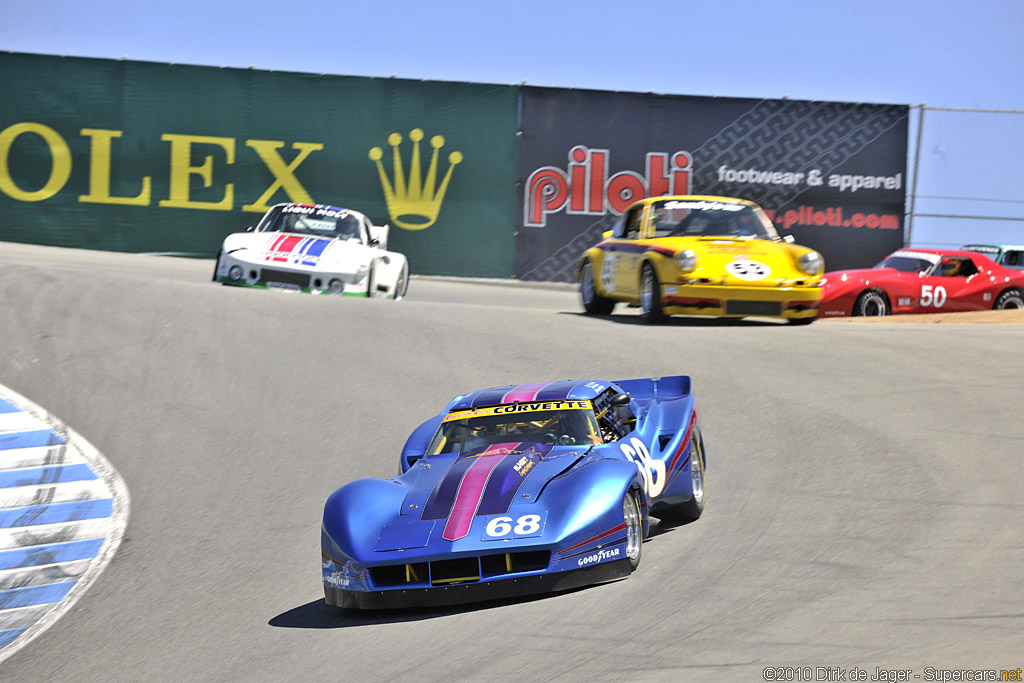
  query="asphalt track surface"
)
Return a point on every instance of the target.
[{"x": 864, "y": 481}]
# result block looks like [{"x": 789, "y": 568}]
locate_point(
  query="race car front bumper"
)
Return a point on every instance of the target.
[
  {"x": 738, "y": 302},
  {"x": 495, "y": 589}
]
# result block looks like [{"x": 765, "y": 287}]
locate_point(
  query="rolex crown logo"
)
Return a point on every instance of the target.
[{"x": 413, "y": 203}]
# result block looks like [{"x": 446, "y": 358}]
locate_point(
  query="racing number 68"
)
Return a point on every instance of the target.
[{"x": 651, "y": 469}]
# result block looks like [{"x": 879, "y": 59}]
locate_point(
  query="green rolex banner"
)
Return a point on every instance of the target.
[{"x": 144, "y": 157}]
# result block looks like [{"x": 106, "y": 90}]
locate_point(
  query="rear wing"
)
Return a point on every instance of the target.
[
  {"x": 675, "y": 386},
  {"x": 379, "y": 236}
]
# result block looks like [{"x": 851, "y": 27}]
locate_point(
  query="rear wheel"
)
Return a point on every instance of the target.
[
  {"x": 1011, "y": 298},
  {"x": 634, "y": 529},
  {"x": 692, "y": 509},
  {"x": 650, "y": 296},
  {"x": 593, "y": 303},
  {"x": 871, "y": 303}
]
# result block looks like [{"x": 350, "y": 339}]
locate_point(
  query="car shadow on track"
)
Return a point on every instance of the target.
[
  {"x": 681, "y": 320},
  {"x": 319, "y": 615}
]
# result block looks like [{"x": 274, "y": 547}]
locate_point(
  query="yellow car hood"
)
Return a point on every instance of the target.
[{"x": 740, "y": 260}]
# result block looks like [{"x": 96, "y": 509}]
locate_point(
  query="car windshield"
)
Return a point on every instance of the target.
[
  {"x": 708, "y": 217},
  {"x": 907, "y": 264},
  {"x": 562, "y": 423},
  {"x": 314, "y": 220}
]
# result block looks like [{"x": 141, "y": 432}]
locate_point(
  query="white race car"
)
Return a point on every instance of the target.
[{"x": 314, "y": 248}]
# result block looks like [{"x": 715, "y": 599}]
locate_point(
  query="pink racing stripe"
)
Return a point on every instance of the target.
[
  {"x": 467, "y": 500},
  {"x": 524, "y": 392}
]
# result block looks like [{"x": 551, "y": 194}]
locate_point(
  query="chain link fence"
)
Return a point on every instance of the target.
[{"x": 967, "y": 177}]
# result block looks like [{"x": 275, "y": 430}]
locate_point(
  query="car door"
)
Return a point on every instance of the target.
[
  {"x": 627, "y": 255},
  {"x": 953, "y": 286}
]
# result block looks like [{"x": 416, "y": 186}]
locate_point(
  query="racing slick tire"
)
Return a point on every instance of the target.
[
  {"x": 402, "y": 284},
  {"x": 692, "y": 509},
  {"x": 1011, "y": 298},
  {"x": 634, "y": 529},
  {"x": 216, "y": 264},
  {"x": 593, "y": 303},
  {"x": 871, "y": 303},
  {"x": 370, "y": 279},
  {"x": 650, "y": 296}
]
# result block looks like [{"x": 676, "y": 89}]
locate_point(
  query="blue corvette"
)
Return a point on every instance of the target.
[{"x": 518, "y": 490}]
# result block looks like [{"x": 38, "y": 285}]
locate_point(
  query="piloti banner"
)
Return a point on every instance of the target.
[
  {"x": 120, "y": 155},
  {"x": 832, "y": 175}
]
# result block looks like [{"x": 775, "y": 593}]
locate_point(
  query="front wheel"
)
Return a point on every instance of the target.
[
  {"x": 402, "y": 284},
  {"x": 871, "y": 303},
  {"x": 634, "y": 529},
  {"x": 593, "y": 303},
  {"x": 1011, "y": 298},
  {"x": 650, "y": 296}
]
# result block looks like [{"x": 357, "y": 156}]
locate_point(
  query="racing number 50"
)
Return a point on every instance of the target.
[
  {"x": 933, "y": 297},
  {"x": 651, "y": 469}
]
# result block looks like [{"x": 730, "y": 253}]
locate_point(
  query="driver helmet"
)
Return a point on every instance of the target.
[{"x": 950, "y": 267}]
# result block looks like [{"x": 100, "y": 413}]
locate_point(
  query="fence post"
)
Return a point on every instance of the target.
[{"x": 917, "y": 172}]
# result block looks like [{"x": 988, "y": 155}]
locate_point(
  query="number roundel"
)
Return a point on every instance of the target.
[
  {"x": 652, "y": 470},
  {"x": 933, "y": 296},
  {"x": 524, "y": 525}
]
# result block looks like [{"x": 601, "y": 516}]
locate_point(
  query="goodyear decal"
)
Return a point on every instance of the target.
[{"x": 531, "y": 407}]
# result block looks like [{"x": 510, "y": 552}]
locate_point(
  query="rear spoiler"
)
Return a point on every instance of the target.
[
  {"x": 380, "y": 234},
  {"x": 675, "y": 386}
]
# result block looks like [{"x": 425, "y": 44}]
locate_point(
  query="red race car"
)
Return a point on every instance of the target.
[{"x": 923, "y": 281}]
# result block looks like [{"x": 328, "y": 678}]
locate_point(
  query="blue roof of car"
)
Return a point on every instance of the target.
[{"x": 585, "y": 389}]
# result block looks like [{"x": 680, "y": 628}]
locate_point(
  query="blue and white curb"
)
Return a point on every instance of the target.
[{"x": 63, "y": 512}]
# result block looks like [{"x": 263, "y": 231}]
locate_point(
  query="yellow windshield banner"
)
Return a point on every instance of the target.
[{"x": 519, "y": 408}]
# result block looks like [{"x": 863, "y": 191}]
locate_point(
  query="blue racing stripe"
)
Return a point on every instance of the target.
[
  {"x": 56, "y": 513},
  {"x": 32, "y": 439},
  {"x": 34, "y": 595},
  {"x": 37, "y": 555},
  {"x": 557, "y": 391},
  {"x": 6, "y": 407},
  {"x": 490, "y": 397},
  {"x": 39, "y": 476},
  {"x": 8, "y": 636},
  {"x": 313, "y": 253}
]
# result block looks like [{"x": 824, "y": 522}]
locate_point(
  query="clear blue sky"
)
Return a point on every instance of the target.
[{"x": 952, "y": 53}]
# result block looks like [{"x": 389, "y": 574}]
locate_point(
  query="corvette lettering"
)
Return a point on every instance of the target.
[
  {"x": 530, "y": 407},
  {"x": 600, "y": 556}
]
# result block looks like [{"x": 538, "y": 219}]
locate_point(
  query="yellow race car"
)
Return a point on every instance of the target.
[{"x": 700, "y": 255}]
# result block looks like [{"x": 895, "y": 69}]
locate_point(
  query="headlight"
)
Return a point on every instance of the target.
[
  {"x": 686, "y": 260},
  {"x": 235, "y": 272},
  {"x": 811, "y": 263}
]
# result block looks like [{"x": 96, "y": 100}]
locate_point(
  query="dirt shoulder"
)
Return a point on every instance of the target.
[{"x": 1012, "y": 316}]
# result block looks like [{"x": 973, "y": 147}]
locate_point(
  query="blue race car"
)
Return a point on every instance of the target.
[{"x": 518, "y": 490}]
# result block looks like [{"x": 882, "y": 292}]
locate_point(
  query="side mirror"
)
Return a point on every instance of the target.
[
  {"x": 606, "y": 234},
  {"x": 789, "y": 239},
  {"x": 620, "y": 400},
  {"x": 249, "y": 228}
]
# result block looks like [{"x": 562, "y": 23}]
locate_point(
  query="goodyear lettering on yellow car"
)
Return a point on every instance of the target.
[{"x": 531, "y": 407}]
